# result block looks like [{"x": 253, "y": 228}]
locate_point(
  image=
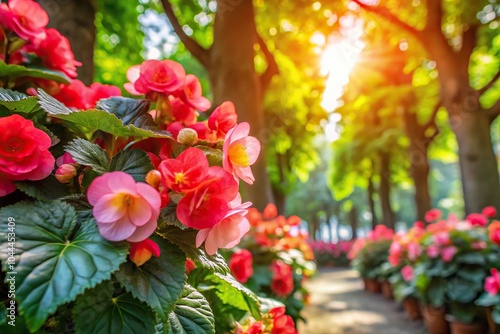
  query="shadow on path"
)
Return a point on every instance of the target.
[{"x": 339, "y": 305}]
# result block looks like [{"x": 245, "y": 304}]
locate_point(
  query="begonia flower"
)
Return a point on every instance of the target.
[
  {"x": 492, "y": 283},
  {"x": 240, "y": 151},
  {"x": 24, "y": 153},
  {"x": 241, "y": 265},
  {"x": 25, "y": 17},
  {"x": 124, "y": 209}
]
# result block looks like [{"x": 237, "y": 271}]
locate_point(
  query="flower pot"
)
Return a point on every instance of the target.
[
  {"x": 387, "y": 290},
  {"x": 494, "y": 329},
  {"x": 412, "y": 309},
  {"x": 458, "y": 327},
  {"x": 435, "y": 320},
  {"x": 373, "y": 286}
]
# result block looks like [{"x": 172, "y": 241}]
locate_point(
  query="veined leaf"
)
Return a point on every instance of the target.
[
  {"x": 191, "y": 315},
  {"x": 160, "y": 281},
  {"x": 15, "y": 71},
  {"x": 57, "y": 256},
  {"x": 99, "y": 312}
]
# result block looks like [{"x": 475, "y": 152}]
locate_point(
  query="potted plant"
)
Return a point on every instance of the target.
[
  {"x": 451, "y": 269},
  {"x": 369, "y": 254}
]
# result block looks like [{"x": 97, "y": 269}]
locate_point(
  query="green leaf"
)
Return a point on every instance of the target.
[
  {"x": 472, "y": 258},
  {"x": 44, "y": 190},
  {"x": 18, "y": 102},
  {"x": 214, "y": 156},
  {"x": 3, "y": 314},
  {"x": 495, "y": 315},
  {"x": 160, "y": 281},
  {"x": 99, "y": 312},
  {"x": 488, "y": 299},
  {"x": 15, "y": 71},
  {"x": 191, "y": 315},
  {"x": 472, "y": 274},
  {"x": 88, "y": 154},
  {"x": 89, "y": 121},
  {"x": 168, "y": 216},
  {"x": 58, "y": 257},
  {"x": 186, "y": 240},
  {"x": 130, "y": 111},
  {"x": 461, "y": 290},
  {"x": 232, "y": 292},
  {"x": 134, "y": 162},
  {"x": 267, "y": 304}
]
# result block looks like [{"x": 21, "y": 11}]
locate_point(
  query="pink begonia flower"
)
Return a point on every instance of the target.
[
  {"x": 229, "y": 231},
  {"x": 489, "y": 211},
  {"x": 479, "y": 245},
  {"x": 24, "y": 153},
  {"x": 413, "y": 250},
  {"x": 193, "y": 94},
  {"x": 447, "y": 253},
  {"x": 65, "y": 173},
  {"x": 442, "y": 238},
  {"x": 432, "y": 215},
  {"x": 124, "y": 209},
  {"x": 133, "y": 73},
  {"x": 55, "y": 52},
  {"x": 25, "y": 17},
  {"x": 433, "y": 251},
  {"x": 492, "y": 283},
  {"x": 407, "y": 273},
  {"x": 157, "y": 76},
  {"x": 222, "y": 119},
  {"x": 240, "y": 151},
  {"x": 477, "y": 219}
]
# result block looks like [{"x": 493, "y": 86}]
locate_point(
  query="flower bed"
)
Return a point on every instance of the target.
[
  {"x": 106, "y": 199},
  {"x": 331, "y": 254},
  {"x": 274, "y": 259}
]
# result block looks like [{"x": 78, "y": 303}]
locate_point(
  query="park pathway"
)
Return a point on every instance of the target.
[{"x": 339, "y": 305}]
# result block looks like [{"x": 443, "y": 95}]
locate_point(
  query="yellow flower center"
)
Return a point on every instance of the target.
[
  {"x": 123, "y": 200},
  {"x": 238, "y": 155},
  {"x": 161, "y": 76},
  {"x": 180, "y": 178}
]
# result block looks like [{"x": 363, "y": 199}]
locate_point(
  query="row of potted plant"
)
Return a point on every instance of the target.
[
  {"x": 330, "y": 254},
  {"x": 448, "y": 270}
]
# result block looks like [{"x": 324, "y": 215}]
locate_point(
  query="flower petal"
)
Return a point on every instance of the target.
[
  {"x": 143, "y": 232},
  {"x": 117, "y": 231},
  {"x": 109, "y": 208}
]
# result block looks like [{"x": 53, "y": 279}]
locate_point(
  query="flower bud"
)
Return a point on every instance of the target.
[
  {"x": 153, "y": 178},
  {"x": 141, "y": 252},
  {"x": 187, "y": 136},
  {"x": 65, "y": 173}
]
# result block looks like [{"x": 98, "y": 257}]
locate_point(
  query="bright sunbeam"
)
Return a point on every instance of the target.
[{"x": 337, "y": 62}]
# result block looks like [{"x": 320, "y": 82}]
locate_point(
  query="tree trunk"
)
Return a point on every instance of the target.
[
  {"x": 478, "y": 164},
  {"x": 75, "y": 20},
  {"x": 371, "y": 201},
  {"x": 385, "y": 190},
  {"x": 233, "y": 78},
  {"x": 419, "y": 160},
  {"x": 353, "y": 220},
  {"x": 279, "y": 200}
]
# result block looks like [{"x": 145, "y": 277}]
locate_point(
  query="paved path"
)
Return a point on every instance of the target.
[{"x": 339, "y": 305}]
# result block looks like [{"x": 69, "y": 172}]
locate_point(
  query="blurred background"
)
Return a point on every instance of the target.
[{"x": 369, "y": 112}]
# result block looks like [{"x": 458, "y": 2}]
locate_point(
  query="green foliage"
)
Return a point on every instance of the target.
[
  {"x": 191, "y": 314},
  {"x": 159, "y": 282},
  {"x": 11, "y": 72},
  {"x": 185, "y": 240},
  {"x": 71, "y": 257},
  {"x": 45, "y": 190},
  {"x": 86, "y": 122},
  {"x": 110, "y": 313}
]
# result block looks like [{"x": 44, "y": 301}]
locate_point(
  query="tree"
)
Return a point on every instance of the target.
[
  {"x": 75, "y": 20},
  {"x": 230, "y": 65},
  {"x": 470, "y": 119}
]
